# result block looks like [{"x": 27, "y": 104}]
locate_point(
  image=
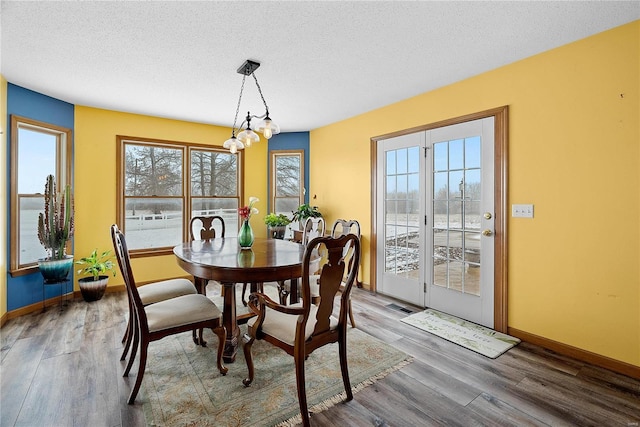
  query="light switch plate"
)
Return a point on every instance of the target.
[{"x": 522, "y": 211}]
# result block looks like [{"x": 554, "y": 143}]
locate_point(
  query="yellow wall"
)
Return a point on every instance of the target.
[
  {"x": 574, "y": 137},
  {"x": 3, "y": 196},
  {"x": 95, "y": 178}
]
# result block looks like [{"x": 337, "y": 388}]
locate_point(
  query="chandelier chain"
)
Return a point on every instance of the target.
[
  {"x": 235, "y": 120},
  {"x": 260, "y": 92}
]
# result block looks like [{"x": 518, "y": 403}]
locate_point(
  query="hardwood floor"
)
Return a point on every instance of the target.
[{"x": 62, "y": 368}]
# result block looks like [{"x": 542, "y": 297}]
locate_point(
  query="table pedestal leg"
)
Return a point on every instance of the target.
[{"x": 230, "y": 323}]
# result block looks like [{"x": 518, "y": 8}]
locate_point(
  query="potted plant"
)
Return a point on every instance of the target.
[
  {"x": 55, "y": 229},
  {"x": 303, "y": 212},
  {"x": 94, "y": 266},
  {"x": 276, "y": 225}
]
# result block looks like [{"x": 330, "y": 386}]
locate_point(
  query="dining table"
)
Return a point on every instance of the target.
[{"x": 221, "y": 259}]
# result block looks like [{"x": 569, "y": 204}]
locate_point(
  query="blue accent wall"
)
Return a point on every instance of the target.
[
  {"x": 291, "y": 141},
  {"x": 28, "y": 289}
]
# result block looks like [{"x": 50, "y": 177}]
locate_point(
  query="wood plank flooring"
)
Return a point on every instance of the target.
[{"x": 62, "y": 368}]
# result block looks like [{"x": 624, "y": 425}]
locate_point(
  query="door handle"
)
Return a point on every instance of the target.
[{"x": 487, "y": 232}]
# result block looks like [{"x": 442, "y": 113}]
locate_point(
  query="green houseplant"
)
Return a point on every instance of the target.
[
  {"x": 276, "y": 224},
  {"x": 55, "y": 229},
  {"x": 94, "y": 267},
  {"x": 303, "y": 212}
]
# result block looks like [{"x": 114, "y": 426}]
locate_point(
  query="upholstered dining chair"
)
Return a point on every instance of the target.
[
  {"x": 156, "y": 292},
  {"x": 161, "y": 319},
  {"x": 342, "y": 227},
  {"x": 301, "y": 328}
]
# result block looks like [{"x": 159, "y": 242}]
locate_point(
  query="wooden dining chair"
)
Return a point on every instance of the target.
[
  {"x": 343, "y": 227},
  {"x": 155, "y": 292},
  {"x": 301, "y": 328},
  {"x": 161, "y": 319},
  {"x": 204, "y": 227},
  {"x": 313, "y": 227}
]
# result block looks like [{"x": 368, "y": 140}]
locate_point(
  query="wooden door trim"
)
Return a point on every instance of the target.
[{"x": 501, "y": 137}]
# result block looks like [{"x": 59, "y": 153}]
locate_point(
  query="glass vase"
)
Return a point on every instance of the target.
[{"x": 245, "y": 235}]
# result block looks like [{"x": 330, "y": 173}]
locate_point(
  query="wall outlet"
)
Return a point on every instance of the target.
[{"x": 522, "y": 211}]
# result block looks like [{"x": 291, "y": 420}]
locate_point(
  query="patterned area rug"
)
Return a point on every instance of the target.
[
  {"x": 482, "y": 340},
  {"x": 182, "y": 386}
]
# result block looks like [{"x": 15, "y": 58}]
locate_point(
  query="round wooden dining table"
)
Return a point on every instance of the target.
[{"x": 222, "y": 259}]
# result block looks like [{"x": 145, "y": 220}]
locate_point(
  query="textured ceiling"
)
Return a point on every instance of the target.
[{"x": 321, "y": 61}]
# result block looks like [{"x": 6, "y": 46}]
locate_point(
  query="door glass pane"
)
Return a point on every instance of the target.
[
  {"x": 440, "y": 157},
  {"x": 414, "y": 160},
  {"x": 401, "y": 164},
  {"x": 456, "y": 215},
  {"x": 472, "y": 152},
  {"x": 472, "y": 184},
  {"x": 440, "y": 186},
  {"x": 456, "y": 154},
  {"x": 402, "y": 212},
  {"x": 391, "y": 163}
]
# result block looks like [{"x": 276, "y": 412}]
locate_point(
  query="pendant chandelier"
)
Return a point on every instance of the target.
[{"x": 248, "y": 136}]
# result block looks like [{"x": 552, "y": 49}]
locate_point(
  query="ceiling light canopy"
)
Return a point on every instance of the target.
[{"x": 248, "y": 136}]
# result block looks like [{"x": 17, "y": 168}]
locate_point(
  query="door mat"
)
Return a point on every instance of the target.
[{"x": 482, "y": 340}]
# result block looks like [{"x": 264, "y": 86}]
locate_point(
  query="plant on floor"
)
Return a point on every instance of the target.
[
  {"x": 94, "y": 284},
  {"x": 96, "y": 265}
]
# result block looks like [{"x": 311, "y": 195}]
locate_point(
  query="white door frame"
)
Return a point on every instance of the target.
[{"x": 500, "y": 115}]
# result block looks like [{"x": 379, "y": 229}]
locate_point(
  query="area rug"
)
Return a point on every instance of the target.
[
  {"x": 182, "y": 387},
  {"x": 482, "y": 340}
]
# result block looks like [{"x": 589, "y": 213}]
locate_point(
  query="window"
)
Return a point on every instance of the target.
[
  {"x": 287, "y": 189},
  {"x": 163, "y": 184},
  {"x": 38, "y": 149}
]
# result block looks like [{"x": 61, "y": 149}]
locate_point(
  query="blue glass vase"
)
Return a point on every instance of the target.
[{"x": 245, "y": 235}]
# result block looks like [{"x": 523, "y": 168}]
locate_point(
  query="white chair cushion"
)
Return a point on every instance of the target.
[
  {"x": 283, "y": 326},
  {"x": 180, "y": 311},
  {"x": 160, "y": 291}
]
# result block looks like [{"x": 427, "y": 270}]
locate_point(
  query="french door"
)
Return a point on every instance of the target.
[{"x": 436, "y": 216}]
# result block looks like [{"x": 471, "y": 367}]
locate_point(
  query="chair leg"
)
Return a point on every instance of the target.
[
  {"x": 302, "y": 391},
  {"x": 143, "y": 363},
  {"x": 248, "y": 342},
  {"x": 244, "y": 290},
  {"x": 198, "y": 337},
  {"x": 342, "y": 349},
  {"x": 221, "y": 332},
  {"x": 353, "y": 322},
  {"x": 282, "y": 293},
  {"x": 134, "y": 349},
  {"x": 127, "y": 331},
  {"x": 128, "y": 334}
]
